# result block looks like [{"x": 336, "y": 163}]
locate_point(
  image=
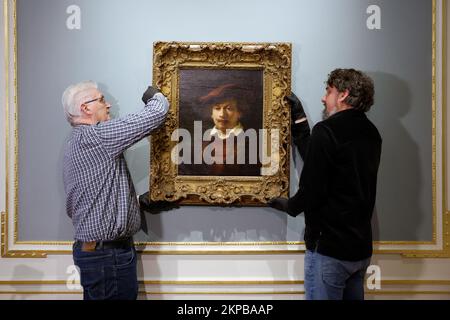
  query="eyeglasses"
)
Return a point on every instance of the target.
[{"x": 101, "y": 100}]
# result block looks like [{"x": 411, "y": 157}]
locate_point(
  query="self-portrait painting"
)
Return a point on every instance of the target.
[
  {"x": 226, "y": 137},
  {"x": 223, "y": 112}
]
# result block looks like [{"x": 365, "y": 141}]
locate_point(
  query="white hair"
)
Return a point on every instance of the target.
[{"x": 72, "y": 99}]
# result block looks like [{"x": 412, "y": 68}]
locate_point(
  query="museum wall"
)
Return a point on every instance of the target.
[
  {"x": 119, "y": 57},
  {"x": 218, "y": 273}
]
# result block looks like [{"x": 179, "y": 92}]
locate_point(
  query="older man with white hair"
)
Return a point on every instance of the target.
[{"x": 101, "y": 200}]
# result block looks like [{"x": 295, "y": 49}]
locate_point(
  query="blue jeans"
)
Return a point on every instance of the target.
[
  {"x": 108, "y": 274},
  {"x": 328, "y": 278}
]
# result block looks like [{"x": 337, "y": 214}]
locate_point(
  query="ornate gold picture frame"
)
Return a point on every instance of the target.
[{"x": 254, "y": 79}]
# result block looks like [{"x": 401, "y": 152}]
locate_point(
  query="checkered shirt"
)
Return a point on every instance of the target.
[{"x": 101, "y": 199}]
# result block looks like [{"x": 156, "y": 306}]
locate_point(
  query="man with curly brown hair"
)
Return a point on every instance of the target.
[{"x": 337, "y": 187}]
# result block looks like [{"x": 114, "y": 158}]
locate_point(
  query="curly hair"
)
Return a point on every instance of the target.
[{"x": 359, "y": 85}]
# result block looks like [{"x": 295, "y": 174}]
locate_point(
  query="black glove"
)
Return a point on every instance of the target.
[
  {"x": 155, "y": 207},
  {"x": 297, "y": 111},
  {"x": 279, "y": 204},
  {"x": 282, "y": 205},
  {"x": 149, "y": 93}
]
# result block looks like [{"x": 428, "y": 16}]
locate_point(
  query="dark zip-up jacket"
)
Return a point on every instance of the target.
[{"x": 338, "y": 186}]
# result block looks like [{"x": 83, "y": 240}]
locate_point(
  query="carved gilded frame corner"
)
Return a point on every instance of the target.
[{"x": 274, "y": 61}]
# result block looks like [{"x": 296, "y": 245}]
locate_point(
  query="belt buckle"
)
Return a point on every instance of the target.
[{"x": 88, "y": 246}]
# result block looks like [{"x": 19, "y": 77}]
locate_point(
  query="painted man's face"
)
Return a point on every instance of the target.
[{"x": 225, "y": 115}]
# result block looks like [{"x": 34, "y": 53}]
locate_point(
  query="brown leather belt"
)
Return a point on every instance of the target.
[{"x": 108, "y": 244}]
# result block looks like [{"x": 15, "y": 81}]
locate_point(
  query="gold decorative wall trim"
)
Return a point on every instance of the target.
[
  {"x": 446, "y": 218},
  {"x": 158, "y": 293},
  {"x": 10, "y": 20},
  {"x": 32, "y": 293},
  {"x": 433, "y": 115},
  {"x": 369, "y": 293},
  {"x": 231, "y": 243},
  {"x": 223, "y": 252},
  {"x": 4, "y": 220},
  {"x": 4, "y": 242},
  {"x": 16, "y": 127},
  {"x": 255, "y": 283},
  {"x": 392, "y": 282},
  {"x": 165, "y": 282},
  {"x": 444, "y": 104},
  {"x": 381, "y": 293},
  {"x": 415, "y": 282},
  {"x": 406, "y": 292},
  {"x": 224, "y": 293}
]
